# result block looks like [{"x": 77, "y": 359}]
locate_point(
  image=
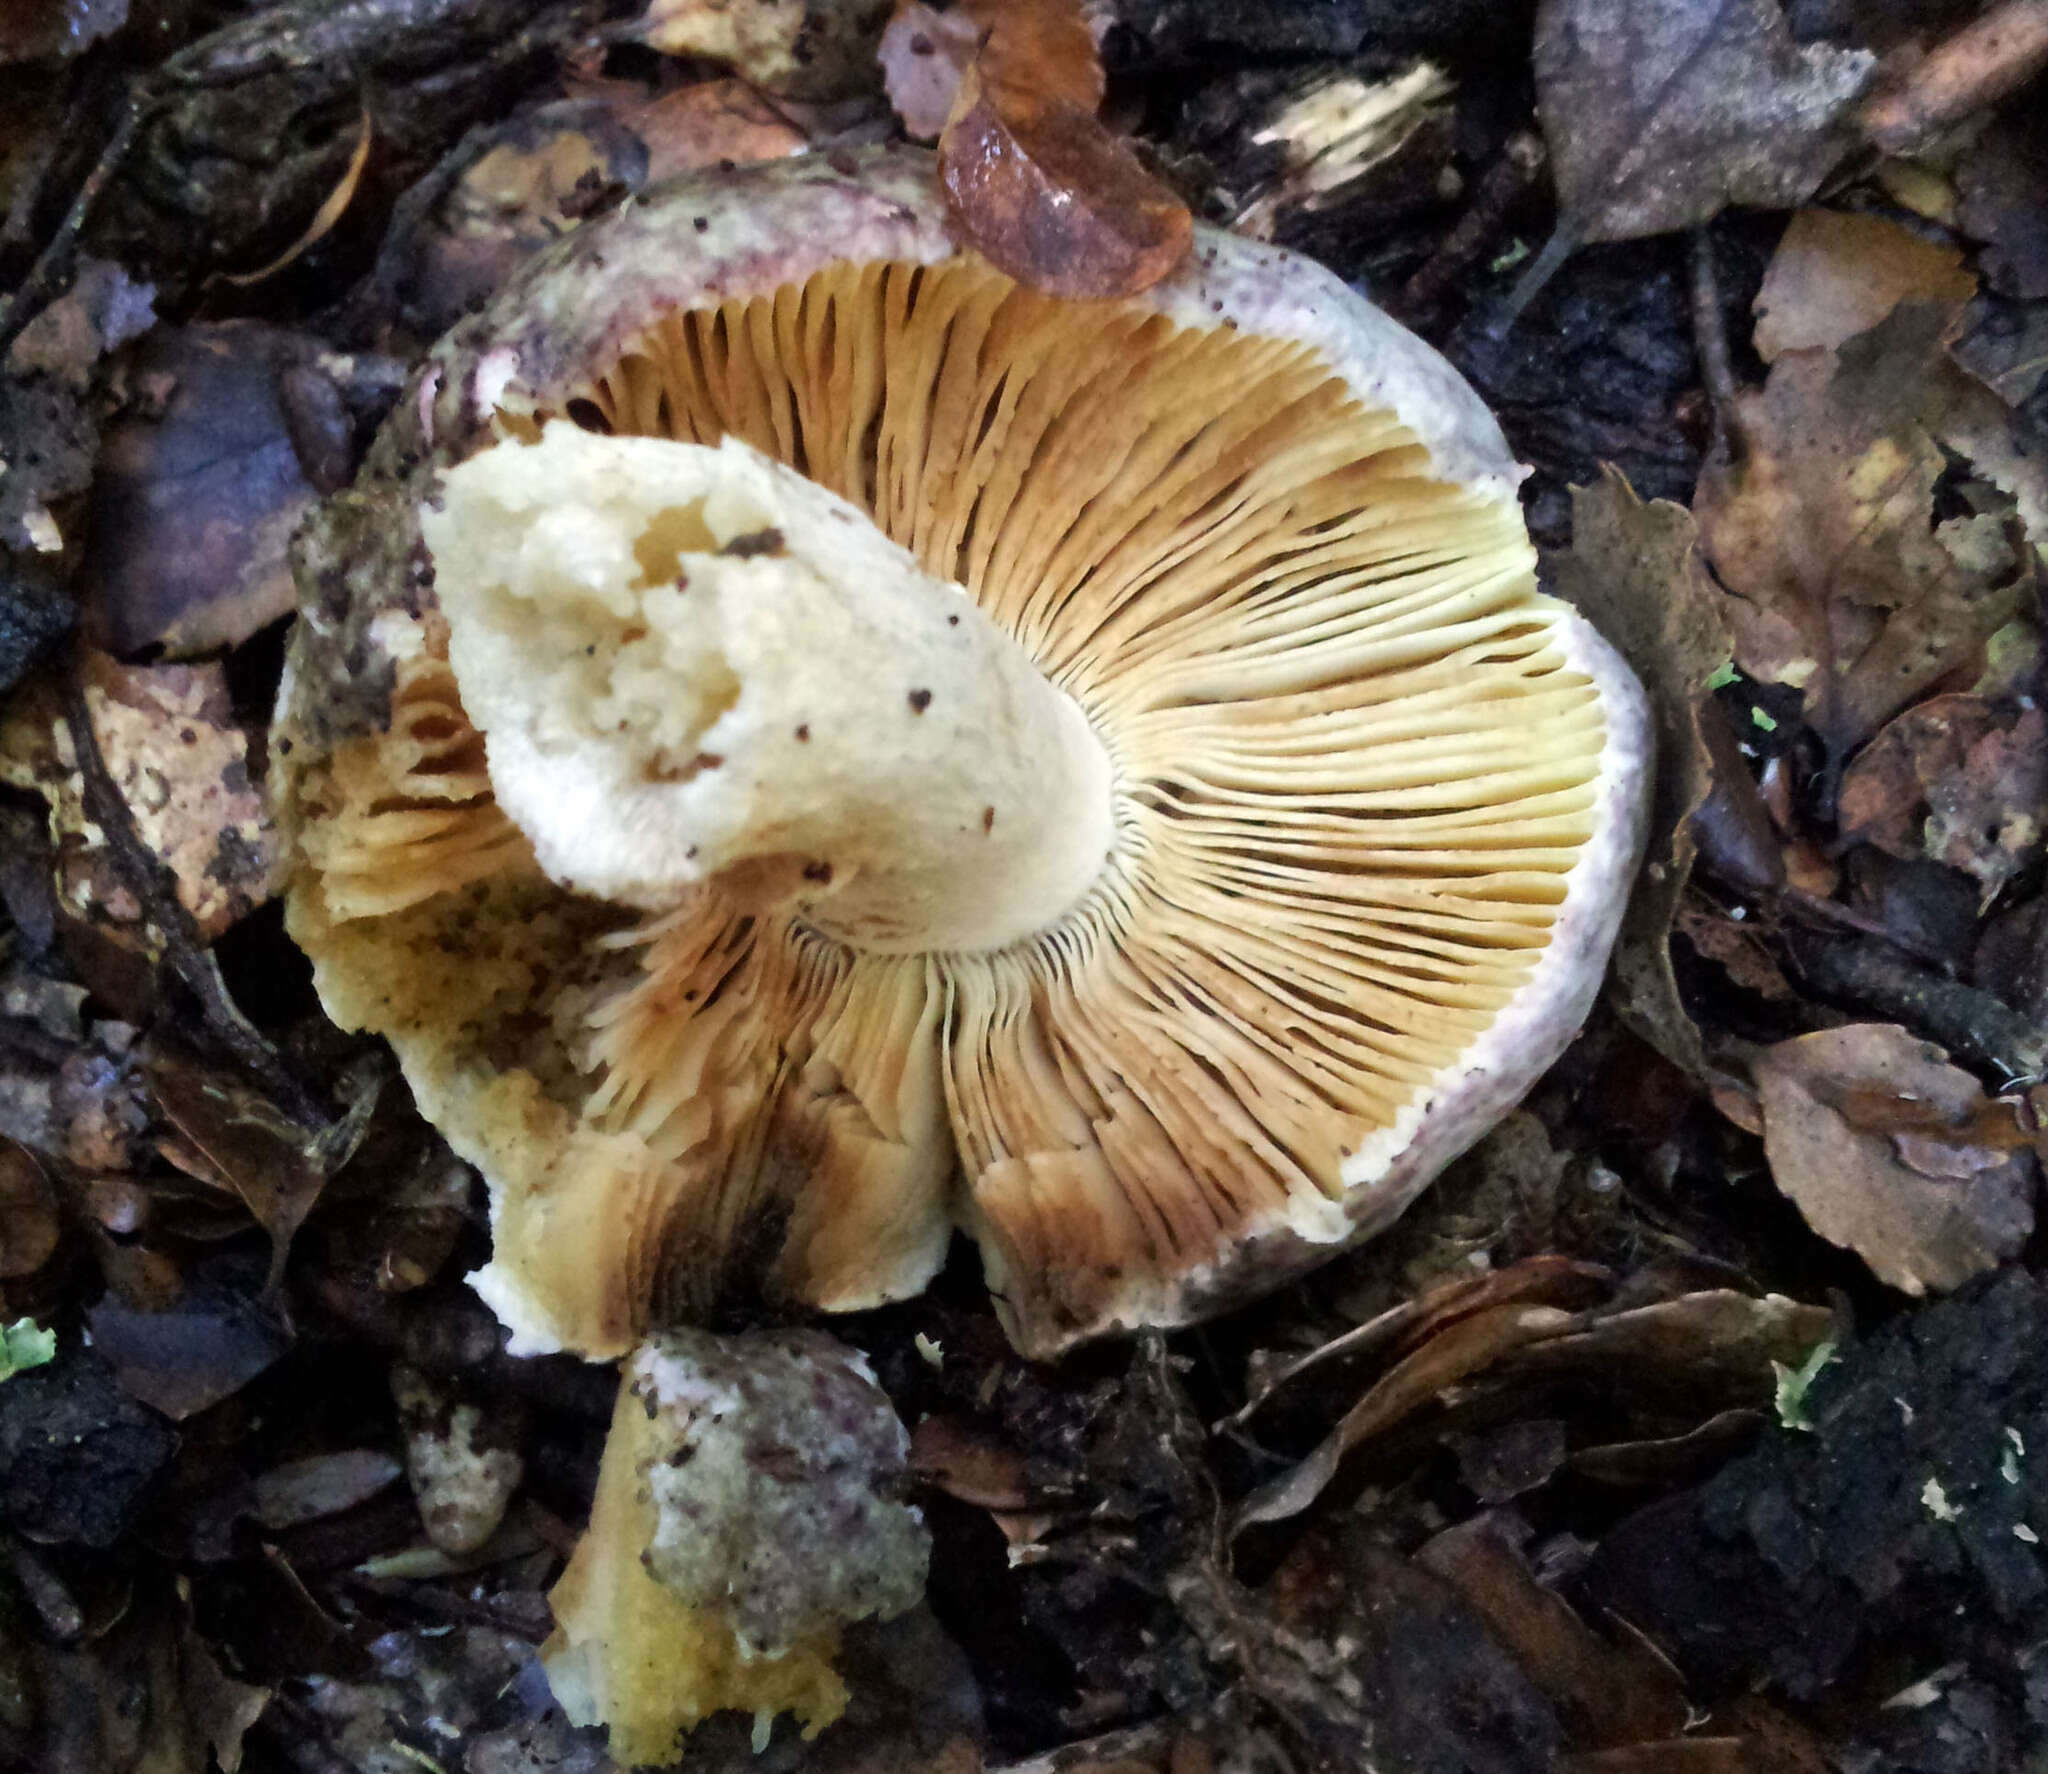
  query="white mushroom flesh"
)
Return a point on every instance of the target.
[{"x": 688, "y": 661}]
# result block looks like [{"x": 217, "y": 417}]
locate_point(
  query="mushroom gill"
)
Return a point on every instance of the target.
[{"x": 1357, "y": 764}]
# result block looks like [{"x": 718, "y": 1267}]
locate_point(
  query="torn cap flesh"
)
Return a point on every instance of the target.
[{"x": 1313, "y": 819}]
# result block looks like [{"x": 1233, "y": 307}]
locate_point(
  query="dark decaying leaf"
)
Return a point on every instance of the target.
[
  {"x": 209, "y": 1343},
  {"x": 1034, "y": 182},
  {"x": 1889, "y": 1150},
  {"x": 1606, "y": 1692},
  {"x": 1661, "y": 113},
  {"x": 147, "y": 1697},
  {"x": 1697, "y": 1353},
  {"x": 1634, "y": 570},
  {"x": 198, "y": 494},
  {"x": 2001, "y": 178},
  {"x": 321, "y": 1484},
  {"x": 28, "y": 1213},
  {"x": 1962, "y": 779},
  {"x": 239, "y": 1140},
  {"x": 1369, "y": 1660}
]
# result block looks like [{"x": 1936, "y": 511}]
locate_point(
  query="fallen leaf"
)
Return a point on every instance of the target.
[
  {"x": 1662, "y": 113},
  {"x": 1664, "y": 1462},
  {"x": 197, "y": 496},
  {"x": 1737, "y": 948},
  {"x": 102, "y": 310},
  {"x": 320, "y": 1485},
  {"x": 955, "y": 1456},
  {"x": 1034, "y": 182},
  {"x": 1925, "y": 1209},
  {"x": 1837, "y": 273},
  {"x": 1634, "y": 570},
  {"x": 812, "y": 49},
  {"x": 28, "y": 1213},
  {"x": 1470, "y": 1345},
  {"x": 1605, "y": 1693},
  {"x": 246, "y": 1144},
  {"x": 1545, "y": 1280},
  {"x": 1960, "y": 779},
  {"x": 2001, "y": 176},
  {"x": 1841, "y": 580},
  {"x": 169, "y": 739},
  {"x": 1702, "y": 1352},
  {"x": 207, "y": 1346},
  {"x": 924, "y": 53},
  {"x": 220, "y": 1709}
]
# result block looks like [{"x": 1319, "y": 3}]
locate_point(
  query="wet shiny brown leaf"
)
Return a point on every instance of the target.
[{"x": 1035, "y": 182}]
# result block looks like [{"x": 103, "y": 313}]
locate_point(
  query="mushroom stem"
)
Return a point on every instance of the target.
[{"x": 690, "y": 662}]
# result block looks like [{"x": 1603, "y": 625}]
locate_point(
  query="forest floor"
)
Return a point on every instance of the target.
[{"x": 1695, "y": 1422}]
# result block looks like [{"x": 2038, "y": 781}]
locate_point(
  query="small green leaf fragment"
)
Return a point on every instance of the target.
[
  {"x": 25, "y": 1344},
  {"x": 1793, "y": 1383},
  {"x": 1723, "y": 675},
  {"x": 1768, "y": 723}
]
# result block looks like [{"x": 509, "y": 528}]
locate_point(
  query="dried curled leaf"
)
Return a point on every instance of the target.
[
  {"x": 1843, "y": 579},
  {"x": 1635, "y": 570},
  {"x": 1035, "y": 183},
  {"x": 1892, "y": 1152}
]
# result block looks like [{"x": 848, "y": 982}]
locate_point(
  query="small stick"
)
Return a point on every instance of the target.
[
  {"x": 1506, "y": 181},
  {"x": 190, "y": 959},
  {"x": 40, "y": 287},
  {"x": 1970, "y": 1023},
  {"x": 1710, "y": 335},
  {"x": 1985, "y": 61}
]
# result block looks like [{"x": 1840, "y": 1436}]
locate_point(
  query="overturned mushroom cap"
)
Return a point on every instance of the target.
[{"x": 802, "y": 743}]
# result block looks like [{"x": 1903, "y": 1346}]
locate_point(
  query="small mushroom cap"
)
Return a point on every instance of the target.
[{"x": 1377, "y": 801}]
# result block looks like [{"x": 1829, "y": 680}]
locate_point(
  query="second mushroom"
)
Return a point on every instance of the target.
[{"x": 803, "y": 744}]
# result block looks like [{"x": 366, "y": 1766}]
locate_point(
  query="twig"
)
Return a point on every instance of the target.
[
  {"x": 1710, "y": 336},
  {"x": 1987, "y": 60},
  {"x": 1970, "y": 1023},
  {"x": 144, "y": 874},
  {"x": 53, "y": 263},
  {"x": 1150, "y": 1742},
  {"x": 1507, "y": 180}
]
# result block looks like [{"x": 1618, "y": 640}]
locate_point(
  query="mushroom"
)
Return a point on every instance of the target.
[
  {"x": 802, "y": 743},
  {"x": 745, "y": 1516}
]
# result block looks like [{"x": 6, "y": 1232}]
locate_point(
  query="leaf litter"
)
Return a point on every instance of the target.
[{"x": 1422, "y": 1505}]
